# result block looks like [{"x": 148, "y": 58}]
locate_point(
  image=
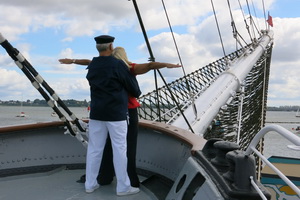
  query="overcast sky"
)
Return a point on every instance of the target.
[{"x": 44, "y": 31}]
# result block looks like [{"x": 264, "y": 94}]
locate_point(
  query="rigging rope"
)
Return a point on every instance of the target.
[
  {"x": 175, "y": 43},
  {"x": 174, "y": 40},
  {"x": 151, "y": 59},
  {"x": 165, "y": 83},
  {"x": 264, "y": 11},
  {"x": 234, "y": 29},
  {"x": 247, "y": 26},
  {"x": 257, "y": 27},
  {"x": 251, "y": 21},
  {"x": 217, "y": 23},
  {"x": 37, "y": 81}
]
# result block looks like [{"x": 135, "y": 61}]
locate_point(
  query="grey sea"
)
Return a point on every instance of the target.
[{"x": 274, "y": 143}]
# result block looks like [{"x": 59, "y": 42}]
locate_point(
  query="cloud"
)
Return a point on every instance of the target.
[
  {"x": 13, "y": 85},
  {"x": 284, "y": 83},
  {"x": 12, "y": 25},
  {"x": 194, "y": 30},
  {"x": 67, "y": 39},
  {"x": 287, "y": 43},
  {"x": 67, "y": 88},
  {"x": 284, "y": 77}
]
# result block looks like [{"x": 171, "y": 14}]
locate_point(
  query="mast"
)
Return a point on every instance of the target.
[{"x": 223, "y": 89}]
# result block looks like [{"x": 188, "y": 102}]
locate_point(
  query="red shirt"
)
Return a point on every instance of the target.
[{"x": 132, "y": 101}]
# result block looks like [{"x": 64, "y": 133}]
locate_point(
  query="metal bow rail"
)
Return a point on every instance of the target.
[
  {"x": 284, "y": 133},
  {"x": 78, "y": 127}
]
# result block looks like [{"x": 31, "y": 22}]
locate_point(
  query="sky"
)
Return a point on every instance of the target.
[{"x": 45, "y": 31}]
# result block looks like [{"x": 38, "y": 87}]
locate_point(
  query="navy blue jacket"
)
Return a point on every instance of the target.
[{"x": 110, "y": 82}]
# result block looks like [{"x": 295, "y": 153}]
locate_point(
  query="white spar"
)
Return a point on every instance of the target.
[{"x": 222, "y": 89}]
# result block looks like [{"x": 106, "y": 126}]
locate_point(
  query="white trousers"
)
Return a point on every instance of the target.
[{"x": 98, "y": 131}]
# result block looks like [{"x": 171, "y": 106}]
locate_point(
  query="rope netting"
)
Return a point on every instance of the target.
[
  {"x": 248, "y": 105},
  {"x": 198, "y": 81},
  {"x": 251, "y": 103}
]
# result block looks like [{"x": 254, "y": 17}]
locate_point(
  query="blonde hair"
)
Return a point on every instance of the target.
[{"x": 120, "y": 53}]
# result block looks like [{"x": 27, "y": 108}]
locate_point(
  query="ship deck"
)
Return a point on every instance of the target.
[{"x": 60, "y": 184}]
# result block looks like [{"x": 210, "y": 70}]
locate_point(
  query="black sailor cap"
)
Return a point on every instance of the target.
[{"x": 102, "y": 39}]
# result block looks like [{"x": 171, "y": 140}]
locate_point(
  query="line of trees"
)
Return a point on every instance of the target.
[
  {"x": 283, "y": 108},
  {"x": 85, "y": 103},
  {"x": 42, "y": 102}
]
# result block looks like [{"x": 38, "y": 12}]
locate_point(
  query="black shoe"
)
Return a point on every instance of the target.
[
  {"x": 82, "y": 179},
  {"x": 136, "y": 185},
  {"x": 100, "y": 181}
]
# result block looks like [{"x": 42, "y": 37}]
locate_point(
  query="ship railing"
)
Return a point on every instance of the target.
[
  {"x": 286, "y": 134},
  {"x": 261, "y": 194}
]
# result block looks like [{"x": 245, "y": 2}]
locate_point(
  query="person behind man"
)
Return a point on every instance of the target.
[
  {"x": 110, "y": 83},
  {"x": 106, "y": 172}
]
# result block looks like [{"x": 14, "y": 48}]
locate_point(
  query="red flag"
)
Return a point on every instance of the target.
[{"x": 270, "y": 20}]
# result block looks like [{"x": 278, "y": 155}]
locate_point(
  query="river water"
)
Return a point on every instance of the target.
[{"x": 274, "y": 143}]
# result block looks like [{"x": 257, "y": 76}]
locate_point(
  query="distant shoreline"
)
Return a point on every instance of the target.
[
  {"x": 40, "y": 106},
  {"x": 43, "y": 103},
  {"x": 85, "y": 103},
  {"x": 74, "y": 103}
]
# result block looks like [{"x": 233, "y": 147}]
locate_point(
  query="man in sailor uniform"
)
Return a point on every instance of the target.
[{"x": 110, "y": 83}]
